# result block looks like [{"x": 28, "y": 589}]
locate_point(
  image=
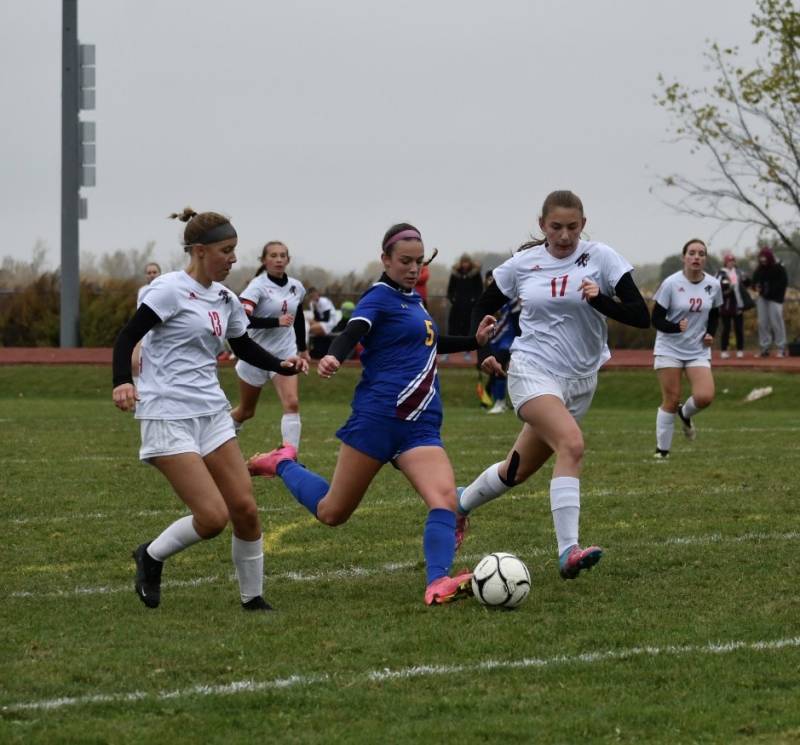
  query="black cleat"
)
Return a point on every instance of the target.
[
  {"x": 689, "y": 432},
  {"x": 257, "y": 603},
  {"x": 661, "y": 454},
  {"x": 148, "y": 577}
]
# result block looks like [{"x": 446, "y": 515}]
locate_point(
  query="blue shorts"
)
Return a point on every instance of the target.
[{"x": 384, "y": 438}]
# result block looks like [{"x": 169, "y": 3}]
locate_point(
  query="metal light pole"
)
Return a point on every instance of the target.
[{"x": 77, "y": 162}]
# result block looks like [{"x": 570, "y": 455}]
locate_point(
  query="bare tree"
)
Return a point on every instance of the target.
[{"x": 749, "y": 123}]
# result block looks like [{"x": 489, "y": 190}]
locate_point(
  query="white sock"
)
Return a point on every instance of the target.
[
  {"x": 565, "y": 504},
  {"x": 237, "y": 426},
  {"x": 248, "y": 558},
  {"x": 690, "y": 408},
  {"x": 290, "y": 429},
  {"x": 485, "y": 488},
  {"x": 665, "y": 428},
  {"x": 178, "y": 536}
]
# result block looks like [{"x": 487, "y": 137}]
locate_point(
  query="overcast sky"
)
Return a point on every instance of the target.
[{"x": 322, "y": 123}]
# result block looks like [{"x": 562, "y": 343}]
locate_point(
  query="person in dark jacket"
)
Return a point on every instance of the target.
[
  {"x": 463, "y": 290},
  {"x": 770, "y": 280},
  {"x": 735, "y": 300}
]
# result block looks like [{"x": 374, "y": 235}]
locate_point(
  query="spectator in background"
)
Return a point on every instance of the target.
[
  {"x": 151, "y": 271},
  {"x": 770, "y": 280},
  {"x": 422, "y": 283},
  {"x": 324, "y": 313},
  {"x": 345, "y": 311},
  {"x": 735, "y": 300},
  {"x": 463, "y": 290}
]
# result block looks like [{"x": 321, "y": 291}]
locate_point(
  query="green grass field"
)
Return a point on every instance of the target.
[{"x": 687, "y": 631}]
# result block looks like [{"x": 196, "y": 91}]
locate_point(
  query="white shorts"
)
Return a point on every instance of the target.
[
  {"x": 253, "y": 375},
  {"x": 201, "y": 435},
  {"x": 526, "y": 381},
  {"x": 661, "y": 361}
]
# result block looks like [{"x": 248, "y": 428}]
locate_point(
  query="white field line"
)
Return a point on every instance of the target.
[
  {"x": 291, "y": 506},
  {"x": 417, "y": 671},
  {"x": 359, "y": 572}
]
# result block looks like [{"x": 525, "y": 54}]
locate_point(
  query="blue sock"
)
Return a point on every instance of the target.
[
  {"x": 439, "y": 543},
  {"x": 307, "y": 487},
  {"x": 499, "y": 389}
]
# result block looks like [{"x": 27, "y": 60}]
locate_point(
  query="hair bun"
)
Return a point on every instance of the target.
[{"x": 187, "y": 214}]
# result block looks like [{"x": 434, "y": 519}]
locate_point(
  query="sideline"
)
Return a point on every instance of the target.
[{"x": 417, "y": 671}]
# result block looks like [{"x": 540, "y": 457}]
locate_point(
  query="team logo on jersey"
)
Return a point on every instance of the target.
[
  {"x": 680, "y": 289},
  {"x": 292, "y": 290},
  {"x": 707, "y": 288},
  {"x": 583, "y": 259},
  {"x": 225, "y": 295},
  {"x": 192, "y": 296},
  {"x": 536, "y": 268},
  {"x": 403, "y": 306}
]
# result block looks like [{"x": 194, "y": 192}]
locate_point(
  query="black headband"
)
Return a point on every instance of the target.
[{"x": 216, "y": 234}]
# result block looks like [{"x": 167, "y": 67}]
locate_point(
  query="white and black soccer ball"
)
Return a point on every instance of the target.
[{"x": 501, "y": 580}]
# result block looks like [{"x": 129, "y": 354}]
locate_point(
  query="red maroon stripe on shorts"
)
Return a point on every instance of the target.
[{"x": 410, "y": 404}]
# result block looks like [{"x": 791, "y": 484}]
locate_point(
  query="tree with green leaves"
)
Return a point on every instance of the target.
[{"x": 748, "y": 121}]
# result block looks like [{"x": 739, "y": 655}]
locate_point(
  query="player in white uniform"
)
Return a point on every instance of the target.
[
  {"x": 566, "y": 287},
  {"x": 685, "y": 315},
  {"x": 273, "y": 302},
  {"x": 187, "y": 431}
]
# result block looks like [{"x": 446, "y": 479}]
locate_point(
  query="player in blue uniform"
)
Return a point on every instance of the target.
[
  {"x": 396, "y": 412},
  {"x": 506, "y": 330}
]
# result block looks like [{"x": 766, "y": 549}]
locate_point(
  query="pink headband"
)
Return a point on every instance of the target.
[{"x": 403, "y": 235}]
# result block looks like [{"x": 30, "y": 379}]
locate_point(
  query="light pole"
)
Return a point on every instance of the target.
[{"x": 77, "y": 162}]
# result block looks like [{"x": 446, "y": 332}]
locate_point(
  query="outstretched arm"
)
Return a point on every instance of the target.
[{"x": 246, "y": 349}]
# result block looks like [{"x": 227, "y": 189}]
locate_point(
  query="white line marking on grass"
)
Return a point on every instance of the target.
[
  {"x": 416, "y": 671},
  {"x": 106, "y": 590}
]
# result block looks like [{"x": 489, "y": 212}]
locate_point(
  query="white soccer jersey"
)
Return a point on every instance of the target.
[
  {"x": 140, "y": 294},
  {"x": 321, "y": 307},
  {"x": 691, "y": 300},
  {"x": 269, "y": 300},
  {"x": 179, "y": 355},
  {"x": 560, "y": 332}
]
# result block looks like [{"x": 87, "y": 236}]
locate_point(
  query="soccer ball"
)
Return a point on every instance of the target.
[{"x": 501, "y": 580}]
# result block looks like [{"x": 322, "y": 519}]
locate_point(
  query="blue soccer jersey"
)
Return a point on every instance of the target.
[{"x": 399, "y": 376}]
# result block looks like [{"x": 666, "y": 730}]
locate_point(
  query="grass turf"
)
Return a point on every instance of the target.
[{"x": 687, "y": 631}]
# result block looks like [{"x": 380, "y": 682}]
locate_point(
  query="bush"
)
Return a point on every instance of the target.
[{"x": 31, "y": 316}]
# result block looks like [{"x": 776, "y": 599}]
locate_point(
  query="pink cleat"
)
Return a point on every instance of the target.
[
  {"x": 266, "y": 464},
  {"x": 446, "y": 589},
  {"x": 575, "y": 559}
]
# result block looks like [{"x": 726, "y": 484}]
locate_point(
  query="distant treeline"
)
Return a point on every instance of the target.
[{"x": 30, "y": 297}]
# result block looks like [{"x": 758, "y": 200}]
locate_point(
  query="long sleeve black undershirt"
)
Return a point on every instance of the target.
[
  {"x": 631, "y": 308},
  {"x": 269, "y": 322},
  {"x": 300, "y": 329},
  {"x": 145, "y": 319},
  {"x": 662, "y": 324},
  {"x": 263, "y": 322},
  {"x": 343, "y": 345}
]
